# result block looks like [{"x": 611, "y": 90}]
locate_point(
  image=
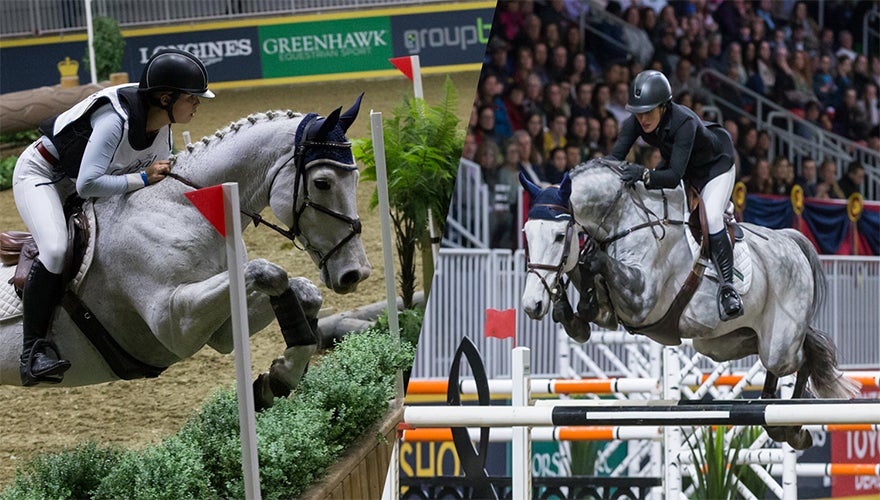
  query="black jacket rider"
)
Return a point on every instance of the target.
[{"x": 692, "y": 149}]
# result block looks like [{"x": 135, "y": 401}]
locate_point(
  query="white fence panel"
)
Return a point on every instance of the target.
[{"x": 468, "y": 281}]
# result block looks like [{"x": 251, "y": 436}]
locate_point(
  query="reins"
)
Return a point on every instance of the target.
[
  {"x": 635, "y": 196},
  {"x": 295, "y": 231},
  {"x": 559, "y": 269}
]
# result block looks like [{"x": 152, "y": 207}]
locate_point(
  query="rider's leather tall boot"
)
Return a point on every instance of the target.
[
  {"x": 729, "y": 303},
  {"x": 40, "y": 359}
]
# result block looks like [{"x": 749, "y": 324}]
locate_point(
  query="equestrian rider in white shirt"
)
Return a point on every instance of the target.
[{"x": 114, "y": 142}]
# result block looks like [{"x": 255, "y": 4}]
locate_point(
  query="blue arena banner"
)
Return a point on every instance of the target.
[
  {"x": 443, "y": 38},
  {"x": 31, "y": 66},
  {"x": 229, "y": 54}
]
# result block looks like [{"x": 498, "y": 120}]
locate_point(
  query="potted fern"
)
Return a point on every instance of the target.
[
  {"x": 422, "y": 147},
  {"x": 716, "y": 469}
]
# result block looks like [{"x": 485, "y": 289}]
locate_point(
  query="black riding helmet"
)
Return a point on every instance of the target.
[
  {"x": 649, "y": 89},
  {"x": 175, "y": 71}
]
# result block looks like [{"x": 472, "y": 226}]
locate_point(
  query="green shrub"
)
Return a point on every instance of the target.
[
  {"x": 299, "y": 437},
  {"x": 7, "y": 165},
  {"x": 109, "y": 47},
  {"x": 75, "y": 473},
  {"x": 410, "y": 322}
]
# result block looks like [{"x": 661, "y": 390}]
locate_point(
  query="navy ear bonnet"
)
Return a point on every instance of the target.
[
  {"x": 541, "y": 210},
  {"x": 313, "y": 151}
]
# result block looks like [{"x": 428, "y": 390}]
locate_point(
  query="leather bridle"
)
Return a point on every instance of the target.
[
  {"x": 558, "y": 270},
  {"x": 306, "y": 202}
]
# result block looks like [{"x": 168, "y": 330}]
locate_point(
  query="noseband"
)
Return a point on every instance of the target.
[
  {"x": 300, "y": 179},
  {"x": 558, "y": 269}
]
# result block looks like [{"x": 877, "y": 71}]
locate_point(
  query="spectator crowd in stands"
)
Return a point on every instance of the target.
[{"x": 552, "y": 95}]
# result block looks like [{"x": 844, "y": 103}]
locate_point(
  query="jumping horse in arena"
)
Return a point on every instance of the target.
[
  {"x": 153, "y": 285},
  {"x": 646, "y": 269}
]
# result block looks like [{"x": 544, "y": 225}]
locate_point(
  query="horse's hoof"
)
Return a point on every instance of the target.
[
  {"x": 800, "y": 439},
  {"x": 263, "y": 397},
  {"x": 778, "y": 434},
  {"x": 578, "y": 330}
]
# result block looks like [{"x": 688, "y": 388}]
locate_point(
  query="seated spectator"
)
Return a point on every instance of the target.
[
  {"x": 557, "y": 67},
  {"x": 583, "y": 96},
  {"x": 610, "y": 130},
  {"x": 845, "y": 45},
  {"x": 594, "y": 135},
  {"x": 824, "y": 85},
  {"x": 577, "y": 136},
  {"x": 555, "y": 102},
  {"x": 619, "y": 97},
  {"x": 745, "y": 149},
  {"x": 469, "y": 148},
  {"x": 807, "y": 27},
  {"x": 782, "y": 173},
  {"x": 852, "y": 181},
  {"x": 513, "y": 102},
  {"x": 557, "y": 129},
  {"x": 503, "y": 189},
  {"x": 870, "y": 104},
  {"x": 533, "y": 102},
  {"x": 760, "y": 181},
  {"x": 530, "y": 160},
  {"x": 556, "y": 166},
  {"x": 573, "y": 156},
  {"x": 806, "y": 179},
  {"x": 535, "y": 129},
  {"x": 827, "y": 187},
  {"x": 850, "y": 120},
  {"x": 485, "y": 128},
  {"x": 601, "y": 100}
]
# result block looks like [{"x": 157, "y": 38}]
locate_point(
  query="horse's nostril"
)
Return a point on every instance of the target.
[{"x": 350, "y": 278}]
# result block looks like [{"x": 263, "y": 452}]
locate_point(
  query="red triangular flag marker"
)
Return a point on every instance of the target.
[
  {"x": 500, "y": 324},
  {"x": 404, "y": 64},
  {"x": 209, "y": 201}
]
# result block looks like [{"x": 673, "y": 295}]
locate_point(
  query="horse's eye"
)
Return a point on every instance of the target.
[
  {"x": 322, "y": 184},
  {"x": 560, "y": 238}
]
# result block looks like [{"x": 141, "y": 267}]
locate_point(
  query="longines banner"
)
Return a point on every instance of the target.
[{"x": 279, "y": 50}]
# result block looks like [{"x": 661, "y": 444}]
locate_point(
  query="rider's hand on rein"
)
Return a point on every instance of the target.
[{"x": 632, "y": 174}]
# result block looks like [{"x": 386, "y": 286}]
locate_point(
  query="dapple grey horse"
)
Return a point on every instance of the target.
[
  {"x": 155, "y": 276},
  {"x": 644, "y": 258}
]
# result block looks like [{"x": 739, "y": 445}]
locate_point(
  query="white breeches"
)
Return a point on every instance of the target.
[
  {"x": 716, "y": 196},
  {"x": 40, "y": 205}
]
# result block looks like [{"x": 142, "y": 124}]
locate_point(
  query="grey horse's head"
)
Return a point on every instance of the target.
[
  {"x": 552, "y": 244},
  {"x": 323, "y": 212}
]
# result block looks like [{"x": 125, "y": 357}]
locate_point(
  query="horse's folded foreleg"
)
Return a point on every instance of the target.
[{"x": 626, "y": 284}]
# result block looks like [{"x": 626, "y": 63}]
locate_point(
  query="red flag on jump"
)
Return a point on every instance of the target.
[
  {"x": 404, "y": 64},
  {"x": 501, "y": 324},
  {"x": 209, "y": 201}
]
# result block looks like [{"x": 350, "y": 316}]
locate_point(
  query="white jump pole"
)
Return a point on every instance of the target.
[
  {"x": 391, "y": 491},
  {"x": 235, "y": 258},
  {"x": 90, "y": 33},
  {"x": 521, "y": 454}
]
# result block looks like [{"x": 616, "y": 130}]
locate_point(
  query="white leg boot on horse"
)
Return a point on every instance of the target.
[
  {"x": 40, "y": 359},
  {"x": 729, "y": 303}
]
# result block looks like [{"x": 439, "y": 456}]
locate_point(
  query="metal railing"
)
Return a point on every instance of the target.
[
  {"x": 468, "y": 281},
  {"x": 793, "y": 136},
  {"x": 20, "y": 18}
]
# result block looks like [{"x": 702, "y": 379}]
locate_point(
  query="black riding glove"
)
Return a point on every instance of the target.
[{"x": 632, "y": 174}]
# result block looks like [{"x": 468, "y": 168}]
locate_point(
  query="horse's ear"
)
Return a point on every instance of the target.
[
  {"x": 565, "y": 188},
  {"x": 326, "y": 125},
  {"x": 528, "y": 185},
  {"x": 348, "y": 117}
]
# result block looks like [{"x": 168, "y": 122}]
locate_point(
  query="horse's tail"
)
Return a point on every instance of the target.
[
  {"x": 826, "y": 380},
  {"x": 820, "y": 353}
]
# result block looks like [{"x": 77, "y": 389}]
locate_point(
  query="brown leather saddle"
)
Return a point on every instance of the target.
[{"x": 17, "y": 248}]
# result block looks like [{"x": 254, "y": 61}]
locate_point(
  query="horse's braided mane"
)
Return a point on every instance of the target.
[{"x": 233, "y": 127}]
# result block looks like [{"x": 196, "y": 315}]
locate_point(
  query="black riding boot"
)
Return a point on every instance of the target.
[
  {"x": 729, "y": 303},
  {"x": 40, "y": 359}
]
